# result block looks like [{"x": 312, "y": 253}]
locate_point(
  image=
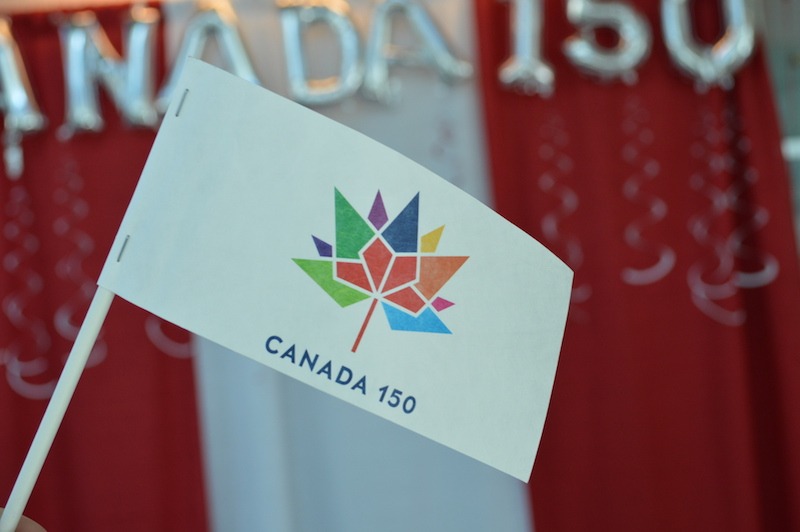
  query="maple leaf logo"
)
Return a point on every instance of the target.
[{"x": 386, "y": 261}]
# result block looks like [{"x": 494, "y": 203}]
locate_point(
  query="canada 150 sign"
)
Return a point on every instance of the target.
[{"x": 90, "y": 60}]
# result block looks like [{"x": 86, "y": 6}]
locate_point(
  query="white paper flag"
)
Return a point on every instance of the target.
[{"x": 310, "y": 248}]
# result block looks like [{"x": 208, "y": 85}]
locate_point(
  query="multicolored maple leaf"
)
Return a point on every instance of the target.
[{"x": 387, "y": 261}]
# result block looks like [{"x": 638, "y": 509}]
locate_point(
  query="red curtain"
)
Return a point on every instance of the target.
[
  {"x": 677, "y": 400},
  {"x": 127, "y": 456}
]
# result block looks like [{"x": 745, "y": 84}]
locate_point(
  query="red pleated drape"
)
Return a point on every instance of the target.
[
  {"x": 677, "y": 399},
  {"x": 127, "y": 456}
]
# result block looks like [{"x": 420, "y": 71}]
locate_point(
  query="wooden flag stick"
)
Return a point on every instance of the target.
[{"x": 56, "y": 408}]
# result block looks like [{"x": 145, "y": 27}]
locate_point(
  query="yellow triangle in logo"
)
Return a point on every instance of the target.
[{"x": 430, "y": 241}]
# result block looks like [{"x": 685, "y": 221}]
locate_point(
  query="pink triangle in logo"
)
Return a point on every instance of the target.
[{"x": 441, "y": 303}]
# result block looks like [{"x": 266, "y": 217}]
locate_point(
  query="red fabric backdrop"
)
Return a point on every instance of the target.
[
  {"x": 676, "y": 400},
  {"x": 127, "y": 456}
]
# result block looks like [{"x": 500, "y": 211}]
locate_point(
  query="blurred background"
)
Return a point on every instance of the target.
[
  {"x": 780, "y": 21},
  {"x": 653, "y": 146}
]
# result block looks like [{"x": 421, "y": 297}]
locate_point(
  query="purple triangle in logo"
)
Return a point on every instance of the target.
[
  {"x": 323, "y": 248},
  {"x": 377, "y": 215}
]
